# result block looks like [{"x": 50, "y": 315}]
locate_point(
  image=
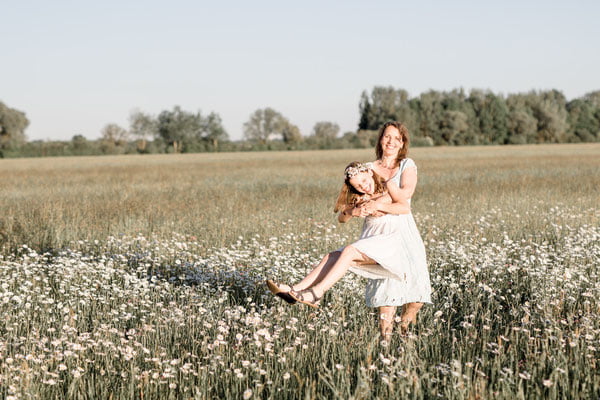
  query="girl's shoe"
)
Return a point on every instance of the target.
[
  {"x": 277, "y": 291},
  {"x": 300, "y": 297}
]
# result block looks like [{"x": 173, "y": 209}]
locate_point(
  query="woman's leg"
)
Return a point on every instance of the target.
[
  {"x": 409, "y": 315},
  {"x": 386, "y": 322}
]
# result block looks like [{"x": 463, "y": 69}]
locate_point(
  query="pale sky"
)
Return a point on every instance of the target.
[{"x": 75, "y": 66}]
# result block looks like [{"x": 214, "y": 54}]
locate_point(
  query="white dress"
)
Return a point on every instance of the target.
[{"x": 393, "y": 241}]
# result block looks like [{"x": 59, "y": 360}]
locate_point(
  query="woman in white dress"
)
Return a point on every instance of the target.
[{"x": 390, "y": 251}]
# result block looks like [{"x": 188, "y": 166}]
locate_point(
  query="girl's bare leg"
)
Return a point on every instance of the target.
[
  {"x": 409, "y": 315},
  {"x": 386, "y": 322},
  {"x": 319, "y": 272},
  {"x": 349, "y": 256}
]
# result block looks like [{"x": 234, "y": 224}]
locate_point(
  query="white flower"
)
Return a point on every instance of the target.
[{"x": 247, "y": 394}]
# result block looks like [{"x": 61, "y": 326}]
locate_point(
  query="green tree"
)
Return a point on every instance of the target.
[
  {"x": 454, "y": 127},
  {"x": 213, "y": 130},
  {"x": 143, "y": 127},
  {"x": 491, "y": 117},
  {"x": 113, "y": 133},
  {"x": 522, "y": 127},
  {"x": 431, "y": 113},
  {"x": 325, "y": 133},
  {"x": 12, "y": 127},
  {"x": 583, "y": 124},
  {"x": 551, "y": 112},
  {"x": 385, "y": 104},
  {"x": 178, "y": 127},
  {"x": 267, "y": 124}
]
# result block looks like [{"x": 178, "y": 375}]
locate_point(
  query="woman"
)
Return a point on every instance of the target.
[{"x": 390, "y": 250}]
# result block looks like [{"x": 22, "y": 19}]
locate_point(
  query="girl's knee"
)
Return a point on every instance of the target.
[{"x": 350, "y": 251}]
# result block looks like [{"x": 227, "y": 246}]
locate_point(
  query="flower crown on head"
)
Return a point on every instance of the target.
[{"x": 354, "y": 170}]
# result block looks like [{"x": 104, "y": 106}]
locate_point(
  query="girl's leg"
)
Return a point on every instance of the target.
[
  {"x": 409, "y": 315},
  {"x": 349, "y": 256},
  {"x": 386, "y": 322},
  {"x": 319, "y": 272}
]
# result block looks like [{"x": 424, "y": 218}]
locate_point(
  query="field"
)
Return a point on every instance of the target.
[{"x": 141, "y": 277}]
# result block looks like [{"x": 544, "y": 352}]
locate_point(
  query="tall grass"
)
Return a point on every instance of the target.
[{"x": 140, "y": 277}]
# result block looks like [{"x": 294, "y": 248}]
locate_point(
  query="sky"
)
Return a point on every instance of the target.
[{"x": 75, "y": 66}]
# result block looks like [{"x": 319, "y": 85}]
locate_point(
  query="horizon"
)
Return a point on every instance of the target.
[{"x": 77, "y": 67}]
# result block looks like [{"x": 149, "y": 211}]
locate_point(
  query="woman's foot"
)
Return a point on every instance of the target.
[
  {"x": 306, "y": 296},
  {"x": 386, "y": 322},
  {"x": 409, "y": 316},
  {"x": 280, "y": 290}
]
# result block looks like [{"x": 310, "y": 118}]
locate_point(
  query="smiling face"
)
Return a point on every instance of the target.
[
  {"x": 391, "y": 141},
  {"x": 363, "y": 182}
]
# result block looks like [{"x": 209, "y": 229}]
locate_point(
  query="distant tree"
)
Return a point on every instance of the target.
[
  {"x": 213, "y": 130},
  {"x": 385, "y": 104},
  {"x": 267, "y": 124},
  {"x": 290, "y": 133},
  {"x": 522, "y": 127},
  {"x": 79, "y": 142},
  {"x": 12, "y": 127},
  {"x": 583, "y": 124},
  {"x": 142, "y": 126},
  {"x": 325, "y": 133},
  {"x": 454, "y": 127},
  {"x": 113, "y": 133},
  {"x": 178, "y": 127},
  {"x": 551, "y": 112},
  {"x": 491, "y": 117},
  {"x": 431, "y": 113}
]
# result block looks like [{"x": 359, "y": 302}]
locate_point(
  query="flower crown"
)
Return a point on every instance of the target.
[{"x": 354, "y": 170}]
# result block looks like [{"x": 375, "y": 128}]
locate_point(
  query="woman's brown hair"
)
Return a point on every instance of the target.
[
  {"x": 403, "y": 134},
  {"x": 349, "y": 196}
]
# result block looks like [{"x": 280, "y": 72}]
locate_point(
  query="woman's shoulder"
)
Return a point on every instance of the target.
[{"x": 407, "y": 163}]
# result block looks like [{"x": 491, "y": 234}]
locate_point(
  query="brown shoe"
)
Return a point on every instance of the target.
[
  {"x": 277, "y": 291},
  {"x": 299, "y": 296}
]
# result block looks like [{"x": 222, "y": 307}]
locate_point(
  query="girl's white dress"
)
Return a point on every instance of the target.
[{"x": 400, "y": 275}]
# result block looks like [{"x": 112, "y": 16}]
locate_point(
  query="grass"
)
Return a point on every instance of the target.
[{"x": 140, "y": 277}]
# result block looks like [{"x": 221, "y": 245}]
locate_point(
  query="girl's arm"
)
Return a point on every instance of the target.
[{"x": 348, "y": 212}]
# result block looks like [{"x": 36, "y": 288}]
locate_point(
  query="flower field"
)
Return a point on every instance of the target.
[{"x": 138, "y": 310}]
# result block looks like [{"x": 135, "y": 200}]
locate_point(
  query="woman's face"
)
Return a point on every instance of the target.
[
  {"x": 363, "y": 182},
  {"x": 391, "y": 141}
]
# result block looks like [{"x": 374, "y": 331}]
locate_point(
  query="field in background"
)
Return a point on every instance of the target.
[
  {"x": 56, "y": 202},
  {"x": 140, "y": 276}
]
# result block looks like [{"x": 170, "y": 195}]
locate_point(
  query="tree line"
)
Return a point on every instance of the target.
[
  {"x": 482, "y": 117},
  {"x": 433, "y": 118}
]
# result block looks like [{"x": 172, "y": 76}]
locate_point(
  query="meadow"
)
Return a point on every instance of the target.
[{"x": 141, "y": 277}]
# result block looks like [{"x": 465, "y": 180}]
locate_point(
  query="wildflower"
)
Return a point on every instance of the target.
[{"x": 247, "y": 394}]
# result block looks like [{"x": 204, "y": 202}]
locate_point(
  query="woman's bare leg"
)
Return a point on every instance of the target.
[
  {"x": 409, "y": 315},
  {"x": 319, "y": 272},
  {"x": 386, "y": 322}
]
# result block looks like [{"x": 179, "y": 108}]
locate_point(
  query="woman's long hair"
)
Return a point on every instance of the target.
[
  {"x": 403, "y": 134},
  {"x": 349, "y": 196}
]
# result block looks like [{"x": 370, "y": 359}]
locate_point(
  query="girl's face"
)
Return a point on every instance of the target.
[
  {"x": 363, "y": 182},
  {"x": 391, "y": 141}
]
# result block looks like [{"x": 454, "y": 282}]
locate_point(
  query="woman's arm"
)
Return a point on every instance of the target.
[
  {"x": 387, "y": 206},
  {"x": 398, "y": 195},
  {"x": 409, "y": 183}
]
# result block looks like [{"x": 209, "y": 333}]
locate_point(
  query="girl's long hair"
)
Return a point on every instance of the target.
[{"x": 349, "y": 196}]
